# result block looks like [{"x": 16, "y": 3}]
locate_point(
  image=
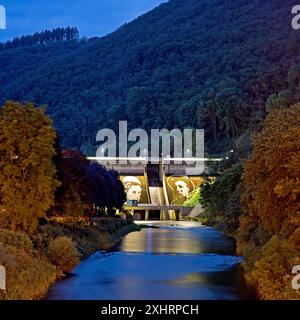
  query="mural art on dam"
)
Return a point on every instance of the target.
[
  {"x": 180, "y": 188},
  {"x": 135, "y": 188}
]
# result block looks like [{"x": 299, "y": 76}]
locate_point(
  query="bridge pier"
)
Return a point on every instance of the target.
[
  {"x": 164, "y": 215},
  {"x": 147, "y": 215},
  {"x": 172, "y": 215},
  {"x": 157, "y": 212}
]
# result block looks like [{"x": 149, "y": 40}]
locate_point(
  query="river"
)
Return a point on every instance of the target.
[{"x": 177, "y": 261}]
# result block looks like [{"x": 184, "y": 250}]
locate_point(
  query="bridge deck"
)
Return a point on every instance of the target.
[{"x": 155, "y": 207}]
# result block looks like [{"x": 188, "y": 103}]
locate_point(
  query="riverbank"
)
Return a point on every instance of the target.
[
  {"x": 27, "y": 259},
  {"x": 223, "y": 225},
  {"x": 89, "y": 236},
  {"x": 268, "y": 260}
]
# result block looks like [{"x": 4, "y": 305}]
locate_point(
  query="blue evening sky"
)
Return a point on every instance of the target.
[{"x": 92, "y": 17}]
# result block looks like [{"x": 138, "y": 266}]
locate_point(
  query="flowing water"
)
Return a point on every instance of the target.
[{"x": 177, "y": 261}]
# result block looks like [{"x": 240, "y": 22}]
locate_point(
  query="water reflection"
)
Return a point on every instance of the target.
[
  {"x": 169, "y": 263},
  {"x": 178, "y": 240}
]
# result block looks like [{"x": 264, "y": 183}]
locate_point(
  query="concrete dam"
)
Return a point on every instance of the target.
[{"x": 158, "y": 191}]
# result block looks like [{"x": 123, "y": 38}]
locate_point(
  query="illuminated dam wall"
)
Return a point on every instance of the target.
[
  {"x": 160, "y": 190},
  {"x": 180, "y": 188}
]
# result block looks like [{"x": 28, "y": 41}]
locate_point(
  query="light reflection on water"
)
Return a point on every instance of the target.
[
  {"x": 183, "y": 262},
  {"x": 178, "y": 240}
]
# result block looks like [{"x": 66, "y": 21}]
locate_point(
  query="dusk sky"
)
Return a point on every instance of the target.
[{"x": 92, "y": 17}]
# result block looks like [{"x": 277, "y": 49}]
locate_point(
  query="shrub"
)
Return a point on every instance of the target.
[
  {"x": 15, "y": 239},
  {"x": 28, "y": 277},
  {"x": 63, "y": 253},
  {"x": 193, "y": 199},
  {"x": 272, "y": 271}
]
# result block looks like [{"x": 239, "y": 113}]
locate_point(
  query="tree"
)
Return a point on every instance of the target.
[
  {"x": 162, "y": 74},
  {"x": 45, "y": 37},
  {"x": 220, "y": 198},
  {"x": 103, "y": 188},
  {"x": 71, "y": 171},
  {"x": 269, "y": 232},
  {"x": 222, "y": 110},
  {"x": 27, "y": 173},
  {"x": 86, "y": 187},
  {"x": 271, "y": 186}
]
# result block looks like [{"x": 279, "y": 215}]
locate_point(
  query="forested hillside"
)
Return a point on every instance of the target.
[
  {"x": 189, "y": 63},
  {"x": 230, "y": 67}
]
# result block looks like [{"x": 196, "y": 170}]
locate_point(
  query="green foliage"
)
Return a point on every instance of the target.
[
  {"x": 220, "y": 198},
  {"x": 222, "y": 110},
  {"x": 27, "y": 172},
  {"x": 180, "y": 59},
  {"x": 194, "y": 199},
  {"x": 289, "y": 95},
  {"x": 62, "y": 253},
  {"x": 43, "y": 38}
]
